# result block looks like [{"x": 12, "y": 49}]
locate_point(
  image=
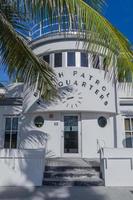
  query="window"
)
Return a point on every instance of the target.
[
  {"x": 96, "y": 62},
  {"x": 84, "y": 59},
  {"x": 129, "y": 132},
  {"x": 70, "y": 59},
  {"x": 47, "y": 58},
  {"x": 102, "y": 121},
  {"x": 11, "y": 132},
  {"x": 39, "y": 121},
  {"x": 58, "y": 60}
]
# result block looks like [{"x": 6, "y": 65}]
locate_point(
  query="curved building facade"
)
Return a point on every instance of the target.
[{"x": 92, "y": 111}]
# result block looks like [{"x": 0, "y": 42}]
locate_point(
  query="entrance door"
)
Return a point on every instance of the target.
[{"x": 71, "y": 137}]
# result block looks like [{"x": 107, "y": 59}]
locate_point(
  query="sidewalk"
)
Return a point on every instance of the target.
[{"x": 65, "y": 193}]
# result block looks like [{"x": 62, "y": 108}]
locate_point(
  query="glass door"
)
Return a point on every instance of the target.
[{"x": 71, "y": 143}]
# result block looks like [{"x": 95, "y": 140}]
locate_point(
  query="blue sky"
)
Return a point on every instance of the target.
[{"x": 119, "y": 13}]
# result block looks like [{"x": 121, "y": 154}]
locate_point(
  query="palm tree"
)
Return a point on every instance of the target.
[{"x": 22, "y": 62}]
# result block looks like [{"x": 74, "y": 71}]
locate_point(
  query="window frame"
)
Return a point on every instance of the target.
[
  {"x": 102, "y": 121},
  {"x": 73, "y": 65},
  {"x": 11, "y": 132},
  {"x": 46, "y": 59},
  {"x": 130, "y": 131},
  {"x": 35, "y": 122},
  {"x": 84, "y": 53},
  {"x": 56, "y": 66}
]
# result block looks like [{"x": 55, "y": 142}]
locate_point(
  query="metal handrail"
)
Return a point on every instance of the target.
[{"x": 42, "y": 28}]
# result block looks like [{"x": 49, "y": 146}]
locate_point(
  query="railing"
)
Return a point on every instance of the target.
[
  {"x": 100, "y": 145},
  {"x": 48, "y": 26}
]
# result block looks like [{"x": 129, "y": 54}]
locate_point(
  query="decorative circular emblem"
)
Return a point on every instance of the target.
[
  {"x": 39, "y": 121},
  {"x": 102, "y": 121}
]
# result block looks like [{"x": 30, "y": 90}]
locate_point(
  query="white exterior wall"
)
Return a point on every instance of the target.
[
  {"x": 120, "y": 131},
  {"x": 93, "y": 136},
  {"x": 89, "y": 110},
  {"x": 57, "y": 43},
  {"x": 117, "y": 167},
  {"x": 49, "y": 134},
  {"x": 7, "y": 111},
  {"x": 89, "y": 88},
  {"x": 52, "y": 131},
  {"x": 22, "y": 167}
]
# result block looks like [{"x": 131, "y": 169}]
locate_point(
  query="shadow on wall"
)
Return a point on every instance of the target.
[
  {"x": 33, "y": 139},
  {"x": 53, "y": 193},
  {"x": 15, "y": 90},
  {"x": 14, "y": 110},
  {"x": 21, "y": 167},
  {"x": 33, "y": 102}
]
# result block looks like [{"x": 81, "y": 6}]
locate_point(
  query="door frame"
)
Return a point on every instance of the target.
[{"x": 79, "y": 136}]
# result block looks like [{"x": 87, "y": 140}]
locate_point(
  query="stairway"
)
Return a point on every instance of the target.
[{"x": 72, "y": 172}]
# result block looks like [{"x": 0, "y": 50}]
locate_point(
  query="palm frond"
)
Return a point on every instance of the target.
[
  {"x": 21, "y": 61},
  {"x": 98, "y": 32},
  {"x": 96, "y": 4}
]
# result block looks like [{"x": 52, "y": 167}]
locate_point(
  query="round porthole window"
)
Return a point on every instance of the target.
[
  {"x": 102, "y": 122},
  {"x": 39, "y": 121}
]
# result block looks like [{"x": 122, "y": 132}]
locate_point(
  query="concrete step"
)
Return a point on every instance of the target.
[
  {"x": 73, "y": 181},
  {"x": 64, "y": 168},
  {"x": 73, "y": 162},
  {"x": 71, "y": 173}
]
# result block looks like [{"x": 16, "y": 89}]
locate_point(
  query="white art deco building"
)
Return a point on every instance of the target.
[{"x": 92, "y": 112}]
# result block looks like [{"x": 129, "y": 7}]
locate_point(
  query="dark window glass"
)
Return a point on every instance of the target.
[
  {"x": 96, "y": 61},
  {"x": 11, "y": 131},
  {"x": 14, "y": 141},
  {"x": 7, "y": 141},
  {"x": 70, "y": 134},
  {"x": 128, "y": 140},
  {"x": 71, "y": 59},
  {"x": 58, "y": 60},
  {"x": 39, "y": 121},
  {"x": 8, "y": 124},
  {"x": 84, "y": 60},
  {"x": 129, "y": 132},
  {"x": 15, "y": 123},
  {"x": 102, "y": 121},
  {"x": 47, "y": 58}
]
